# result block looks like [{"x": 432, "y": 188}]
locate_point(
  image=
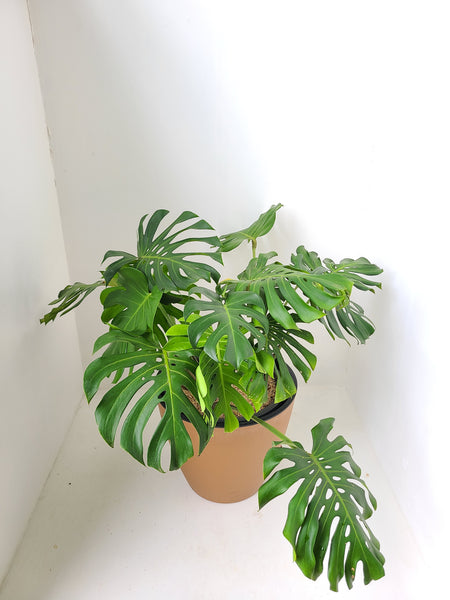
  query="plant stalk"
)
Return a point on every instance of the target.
[{"x": 274, "y": 430}]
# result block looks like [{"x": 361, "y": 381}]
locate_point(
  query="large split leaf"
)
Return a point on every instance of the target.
[
  {"x": 230, "y": 318},
  {"x": 260, "y": 227},
  {"x": 158, "y": 375},
  {"x": 329, "y": 509},
  {"x": 290, "y": 292},
  {"x": 159, "y": 255}
]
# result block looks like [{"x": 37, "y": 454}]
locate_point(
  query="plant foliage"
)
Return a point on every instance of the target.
[
  {"x": 329, "y": 509},
  {"x": 196, "y": 348},
  {"x": 156, "y": 375},
  {"x": 158, "y": 255}
]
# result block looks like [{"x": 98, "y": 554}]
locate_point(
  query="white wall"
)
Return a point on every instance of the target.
[
  {"x": 337, "y": 109},
  {"x": 40, "y": 369}
]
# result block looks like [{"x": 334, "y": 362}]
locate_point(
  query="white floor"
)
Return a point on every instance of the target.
[{"x": 105, "y": 527}]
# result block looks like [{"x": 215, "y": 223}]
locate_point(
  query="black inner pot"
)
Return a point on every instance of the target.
[{"x": 267, "y": 412}]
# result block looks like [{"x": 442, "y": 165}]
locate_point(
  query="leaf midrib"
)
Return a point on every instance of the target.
[{"x": 344, "y": 504}]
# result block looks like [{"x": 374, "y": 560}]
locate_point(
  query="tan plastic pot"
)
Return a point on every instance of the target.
[{"x": 230, "y": 468}]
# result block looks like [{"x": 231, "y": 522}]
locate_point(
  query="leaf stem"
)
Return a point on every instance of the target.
[
  {"x": 254, "y": 244},
  {"x": 275, "y": 431}
]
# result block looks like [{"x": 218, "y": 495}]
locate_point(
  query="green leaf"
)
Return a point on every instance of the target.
[
  {"x": 351, "y": 268},
  {"x": 158, "y": 376},
  {"x": 158, "y": 256},
  {"x": 307, "y": 261},
  {"x": 116, "y": 346},
  {"x": 330, "y": 494},
  {"x": 265, "y": 362},
  {"x": 288, "y": 342},
  {"x": 254, "y": 383},
  {"x": 138, "y": 305},
  {"x": 260, "y": 227},
  {"x": 290, "y": 292},
  {"x": 286, "y": 386},
  {"x": 350, "y": 319},
  {"x": 222, "y": 392},
  {"x": 69, "y": 298},
  {"x": 228, "y": 316}
]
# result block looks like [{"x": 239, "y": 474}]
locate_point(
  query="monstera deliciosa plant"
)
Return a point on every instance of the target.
[{"x": 177, "y": 331}]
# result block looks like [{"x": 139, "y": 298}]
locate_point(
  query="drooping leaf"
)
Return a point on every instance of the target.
[
  {"x": 350, "y": 319},
  {"x": 282, "y": 341},
  {"x": 69, "y": 298},
  {"x": 260, "y": 227},
  {"x": 354, "y": 268},
  {"x": 351, "y": 268},
  {"x": 229, "y": 317},
  {"x": 159, "y": 256},
  {"x": 330, "y": 495},
  {"x": 158, "y": 376},
  {"x": 291, "y": 293}
]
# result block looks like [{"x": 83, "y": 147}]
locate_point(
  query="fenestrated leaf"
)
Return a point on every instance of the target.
[
  {"x": 260, "y": 227},
  {"x": 230, "y": 318},
  {"x": 158, "y": 376},
  {"x": 158, "y": 254},
  {"x": 138, "y": 305},
  {"x": 330, "y": 494}
]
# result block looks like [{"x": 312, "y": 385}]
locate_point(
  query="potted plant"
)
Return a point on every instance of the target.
[{"x": 213, "y": 354}]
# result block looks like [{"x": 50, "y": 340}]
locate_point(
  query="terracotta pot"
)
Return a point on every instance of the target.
[{"x": 230, "y": 468}]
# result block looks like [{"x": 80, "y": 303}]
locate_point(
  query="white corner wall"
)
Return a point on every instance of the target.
[
  {"x": 40, "y": 369},
  {"x": 339, "y": 110}
]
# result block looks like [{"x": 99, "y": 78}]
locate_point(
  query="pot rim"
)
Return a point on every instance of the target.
[{"x": 266, "y": 413}]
